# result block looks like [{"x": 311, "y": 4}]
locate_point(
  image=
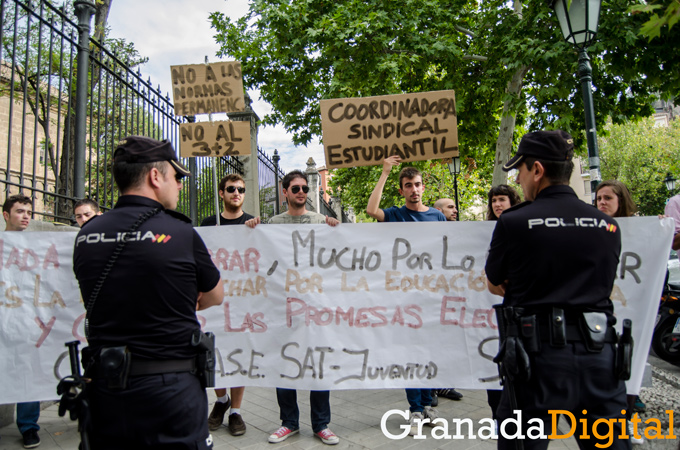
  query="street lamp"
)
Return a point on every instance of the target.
[
  {"x": 670, "y": 183},
  {"x": 454, "y": 170},
  {"x": 578, "y": 21}
]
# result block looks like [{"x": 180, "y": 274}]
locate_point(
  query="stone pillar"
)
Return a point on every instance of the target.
[
  {"x": 336, "y": 204},
  {"x": 313, "y": 182},
  {"x": 251, "y": 205},
  {"x": 350, "y": 215}
]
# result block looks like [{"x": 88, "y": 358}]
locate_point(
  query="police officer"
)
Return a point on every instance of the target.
[
  {"x": 553, "y": 259},
  {"x": 141, "y": 309}
]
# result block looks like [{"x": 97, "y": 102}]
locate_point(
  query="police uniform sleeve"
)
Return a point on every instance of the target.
[
  {"x": 207, "y": 275},
  {"x": 496, "y": 265}
]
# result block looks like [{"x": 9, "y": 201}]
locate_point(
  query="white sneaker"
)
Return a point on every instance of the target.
[
  {"x": 431, "y": 413},
  {"x": 415, "y": 421},
  {"x": 631, "y": 433}
]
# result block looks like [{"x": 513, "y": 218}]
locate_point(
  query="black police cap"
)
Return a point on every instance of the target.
[
  {"x": 141, "y": 149},
  {"x": 555, "y": 145}
]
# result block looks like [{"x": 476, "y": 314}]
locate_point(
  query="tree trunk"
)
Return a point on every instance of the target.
[
  {"x": 504, "y": 142},
  {"x": 64, "y": 207}
]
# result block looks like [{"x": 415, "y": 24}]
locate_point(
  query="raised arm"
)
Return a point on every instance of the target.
[{"x": 373, "y": 207}]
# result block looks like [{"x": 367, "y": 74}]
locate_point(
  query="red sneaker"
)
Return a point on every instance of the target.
[
  {"x": 327, "y": 436},
  {"x": 282, "y": 434}
]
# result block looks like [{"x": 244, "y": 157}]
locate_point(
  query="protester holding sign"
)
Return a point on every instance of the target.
[
  {"x": 85, "y": 209},
  {"x": 448, "y": 208},
  {"x": 411, "y": 188},
  {"x": 143, "y": 272},
  {"x": 613, "y": 198},
  {"x": 295, "y": 190},
  {"x": 17, "y": 211},
  {"x": 232, "y": 191},
  {"x": 558, "y": 294},
  {"x": 501, "y": 197}
]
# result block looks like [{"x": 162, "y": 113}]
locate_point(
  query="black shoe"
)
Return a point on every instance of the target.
[
  {"x": 237, "y": 426},
  {"x": 435, "y": 399},
  {"x": 216, "y": 417},
  {"x": 451, "y": 394},
  {"x": 31, "y": 438}
]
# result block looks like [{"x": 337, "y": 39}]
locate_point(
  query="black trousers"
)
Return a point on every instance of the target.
[
  {"x": 573, "y": 380},
  {"x": 167, "y": 411}
]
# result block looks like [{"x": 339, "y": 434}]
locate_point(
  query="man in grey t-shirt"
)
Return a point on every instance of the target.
[{"x": 295, "y": 190}]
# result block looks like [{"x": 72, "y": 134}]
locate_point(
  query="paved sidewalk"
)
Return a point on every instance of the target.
[{"x": 356, "y": 417}]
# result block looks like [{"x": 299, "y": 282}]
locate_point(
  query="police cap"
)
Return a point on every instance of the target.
[
  {"x": 555, "y": 145},
  {"x": 141, "y": 149}
]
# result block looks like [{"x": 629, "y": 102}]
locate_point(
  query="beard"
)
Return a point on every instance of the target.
[{"x": 231, "y": 207}]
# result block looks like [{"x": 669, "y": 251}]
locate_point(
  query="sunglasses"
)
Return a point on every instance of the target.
[
  {"x": 296, "y": 189},
  {"x": 231, "y": 189},
  {"x": 178, "y": 177}
]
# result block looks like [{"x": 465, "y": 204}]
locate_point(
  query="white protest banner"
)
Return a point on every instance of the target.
[
  {"x": 365, "y": 130},
  {"x": 357, "y": 306},
  {"x": 222, "y": 138},
  {"x": 207, "y": 88}
]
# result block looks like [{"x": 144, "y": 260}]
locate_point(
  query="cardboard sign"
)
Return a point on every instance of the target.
[
  {"x": 225, "y": 138},
  {"x": 207, "y": 88},
  {"x": 364, "y": 131}
]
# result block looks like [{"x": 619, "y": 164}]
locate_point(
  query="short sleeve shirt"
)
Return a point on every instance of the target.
[
  {"x": 210, "y": 220},
  {"x": 148, "y": 300},
  {"x": 555, "y": 251},
  {"x": 673, "y": 210},
  {"x": 308, "y": 217},
  {"x": 403, "y": 214}
]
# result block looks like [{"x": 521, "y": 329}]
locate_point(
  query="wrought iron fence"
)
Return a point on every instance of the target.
[
  {"x": 38, "y": 59},
  {"x": 269, "y": 176},
  {"x": 38, "y": 123}
]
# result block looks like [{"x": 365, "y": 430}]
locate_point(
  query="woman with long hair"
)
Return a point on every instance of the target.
[
  {"x": 613, "y": 198},
  {"x": 501, "y": 197}
]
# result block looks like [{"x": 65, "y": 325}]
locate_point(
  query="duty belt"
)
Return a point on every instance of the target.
[
  {"x": 573, "y": 333},
  {"x": 141, "y": 367}
]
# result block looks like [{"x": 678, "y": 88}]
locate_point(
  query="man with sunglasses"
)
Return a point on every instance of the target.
[
  {"x": 295, "y": 190},
  {"x": 143, "y": 272},
  {"x": 232, "y": 191}
]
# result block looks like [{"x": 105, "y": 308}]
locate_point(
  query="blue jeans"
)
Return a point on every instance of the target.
[
  {"x": 27, "y": 416},
  {"x": 418, "y": 399},
  {"x": 290, "y": 414}
]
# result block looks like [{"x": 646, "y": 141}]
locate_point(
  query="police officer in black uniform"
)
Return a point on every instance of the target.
[
  {"x": 553, "y": 258},
  {"x": 141, "y": 307}
]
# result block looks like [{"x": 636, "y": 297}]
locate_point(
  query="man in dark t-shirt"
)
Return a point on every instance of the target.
[
  {"x": 232, "y": 190},
  {"x": 411, "y": 188}
]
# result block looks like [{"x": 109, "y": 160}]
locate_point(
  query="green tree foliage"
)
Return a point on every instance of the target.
[
  {"x": 653, "y": 27},
  {"x": 44, "y": 68},
  {"x": 640, "y": 154},
  {"x": 300, "y": 51}
]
